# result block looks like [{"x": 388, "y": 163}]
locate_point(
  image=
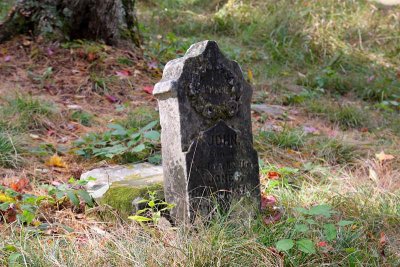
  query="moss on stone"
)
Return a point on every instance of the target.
[{"x": 121, "y": 197}]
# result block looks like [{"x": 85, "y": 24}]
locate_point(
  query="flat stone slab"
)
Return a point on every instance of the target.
[
  {"x": 133, "y": 175},
  {"x": 273, "y": 110}
]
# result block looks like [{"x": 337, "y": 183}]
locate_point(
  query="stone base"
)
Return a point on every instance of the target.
[{"x": 119, "y": 186}]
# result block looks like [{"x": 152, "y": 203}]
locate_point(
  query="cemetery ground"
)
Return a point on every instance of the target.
[{"x": 326, "y": 126}]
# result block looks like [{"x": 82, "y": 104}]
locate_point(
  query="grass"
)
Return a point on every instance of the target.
[
  {"x": 139, "y": 117},
  {"x": 231, "y": 241},
  {"x": 129, "y": 245},
  {"x": 274, "y": 38},
  {"x": 334, "y": 151},
  {"x": 9, "y": 151},
  {"x": 287, "y": 138},
  {"x": 347, "y": 116},
  {"x": 25, "y": 113},
  {"x": 20, "y": 114}
]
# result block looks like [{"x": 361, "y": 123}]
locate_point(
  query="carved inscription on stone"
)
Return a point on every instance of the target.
[
  {"x": 214, "y": 94},
  {"x": 218, "y": 169}
]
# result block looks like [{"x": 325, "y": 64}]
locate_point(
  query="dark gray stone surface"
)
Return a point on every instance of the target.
[{"x": 207, "y": 143}]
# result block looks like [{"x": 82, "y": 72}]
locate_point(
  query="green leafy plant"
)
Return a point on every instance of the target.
[
  {"x": 278, "y": 177},
  {"x": 72, "y": 191},
  {"x": 153, "y": 210},
  {"x": 303, "y": 96},
  {"x": 26, "y": 112},
  {"x": 82, "y": 117},
  {"x": 317, "y": 219},
  {"x": 336, "y": 151},
  {"x": 23, "y": 207},
  {"x": 126, "y": 144}
]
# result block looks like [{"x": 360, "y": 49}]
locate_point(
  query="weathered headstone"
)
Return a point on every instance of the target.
[{"x": 206, "y": 137}]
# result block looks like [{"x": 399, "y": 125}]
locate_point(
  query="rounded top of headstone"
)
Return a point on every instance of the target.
[
  {"x": 204, "y": 81},
  {"x": 174, "y": 68},
  {"x": 201, "y": 47}
]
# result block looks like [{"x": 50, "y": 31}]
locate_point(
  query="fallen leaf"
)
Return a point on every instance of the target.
[
  {"x": 19, "y": 185},
  {"x": 56, "y": 161},
  {"x": 11, "y": 214},
  {"x": 148, "y": 89},
  {"x": 382, "y": 239},
  {"x": 4, "y": 198},
  {"x": 267, "y": 201},
  {"x": 310, "y": 129},
  {"x": 383, "y": 157},
  {"x": 7, "y": 59},
  {"x": 111, "y": 99},
  {"x": 91, "y": 57},
  {"x": 382, "y": 243},
  {"x": 250, "y": 76},
  {"x": 272, "y": 218},
  {"x": 322, "y": 244},
  {"x": 49, "y": 51},
  {"x": 373, "y": 175},
  {"x": 122, "y": 74},
  {"x": 274, "y": 175},
  {"x": 34, "y": 136}
]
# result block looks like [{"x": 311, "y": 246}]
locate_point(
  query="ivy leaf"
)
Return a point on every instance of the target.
[
  {"x": 302, "y": 228},
  {"x": 306, "y": 245},
  {"x": 86, "y": 197},
  {"x": 155, "y": 159},
  {"x": 323, "y": 210},
  {"x": 330, "y": 231},
  {"x": 284, "y": 244},
  {"x": 26, "y": 216},
  {"x": 149, "y": 126},
  {"x": 72, "y": 196},
  {"x": 60, "y": 194},
  {"x": 152, "y": 135},
  {"x": 139, "y": 148},
  {"x": 118, "y": 129}
]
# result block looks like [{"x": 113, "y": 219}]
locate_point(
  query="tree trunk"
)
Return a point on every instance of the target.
[{"x": 113, "y": 21}]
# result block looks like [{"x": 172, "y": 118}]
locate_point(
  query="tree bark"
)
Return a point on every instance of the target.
[{"x": 113, "y": 21}]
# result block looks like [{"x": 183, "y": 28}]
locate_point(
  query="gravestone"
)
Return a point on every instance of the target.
[{"x": 207, "y": 143}]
